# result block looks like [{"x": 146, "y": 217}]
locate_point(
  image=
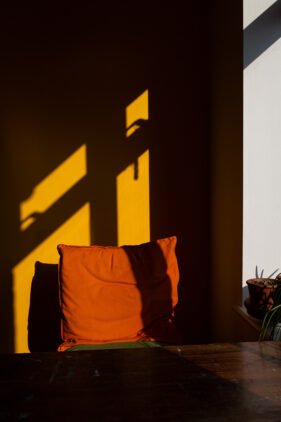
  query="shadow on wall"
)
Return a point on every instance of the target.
[
  {"x": 158, "y": 295},
  {"x": 44, "y": 313},
  {"x": 69, "y": 87},
  {"x": 262, "y": 33}
]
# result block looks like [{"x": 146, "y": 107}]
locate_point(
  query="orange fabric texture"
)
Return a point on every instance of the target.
[{"x": 114, "y": 294}]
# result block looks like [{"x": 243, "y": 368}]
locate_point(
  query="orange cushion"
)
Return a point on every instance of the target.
[{"x": 114, "y": 294}]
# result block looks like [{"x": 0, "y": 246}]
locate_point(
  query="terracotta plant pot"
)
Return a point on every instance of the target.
[{"x": 261, "y": 291}]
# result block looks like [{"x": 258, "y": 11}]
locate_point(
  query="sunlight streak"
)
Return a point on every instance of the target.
[
  {"x": 133, "y": 207},
  {"x": 137, "y": 111},
  {"x": 76, "y": 230},
  {"x": 53, "y": 187}
]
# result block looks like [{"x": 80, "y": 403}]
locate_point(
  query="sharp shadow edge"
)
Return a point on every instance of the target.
[
  {"x": 262, "y": 33},
  {"x": 150, "y": 271}
]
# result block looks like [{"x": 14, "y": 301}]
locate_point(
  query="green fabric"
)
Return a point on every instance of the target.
[{"x": 129, "y": 345}]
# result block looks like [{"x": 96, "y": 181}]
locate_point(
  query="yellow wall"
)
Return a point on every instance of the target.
[
  {"x": 75, "y": 231},
  {"x": 121, "y": 99},
  {"x": 133, "y": 207},
  {"x": 54, "y": 186}
]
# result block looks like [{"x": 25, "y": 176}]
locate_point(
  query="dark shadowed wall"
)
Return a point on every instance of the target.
[
  {"x": 226, "y": 158},
  {"x": 67, "y": 76}
]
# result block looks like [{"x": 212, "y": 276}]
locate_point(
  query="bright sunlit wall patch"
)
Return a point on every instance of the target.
[
  {"x": 54, "y": 186},
  {"x": 76, "y": 231},
  {"x": 133, "y": 207},
  {"x": 136, "y": 112}
]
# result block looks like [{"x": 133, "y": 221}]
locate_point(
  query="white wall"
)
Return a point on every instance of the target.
[{"x": 262, "y": 137}]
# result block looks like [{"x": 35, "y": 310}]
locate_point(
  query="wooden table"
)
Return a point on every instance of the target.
[{"x": 217, "y": 382}]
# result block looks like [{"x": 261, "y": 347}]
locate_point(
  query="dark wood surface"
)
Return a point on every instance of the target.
[{"x": 219, "y": 382}]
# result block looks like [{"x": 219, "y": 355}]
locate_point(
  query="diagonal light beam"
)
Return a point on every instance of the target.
[
  {"x": 54, "y": 186},
  {"x": 136, "y": 112},
  {"x": 74, "y": 231}
]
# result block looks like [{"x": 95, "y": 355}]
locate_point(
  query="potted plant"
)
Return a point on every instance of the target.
[
  {"x": 271, "y": 324},
  {"x": 261, "y": 294}
]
